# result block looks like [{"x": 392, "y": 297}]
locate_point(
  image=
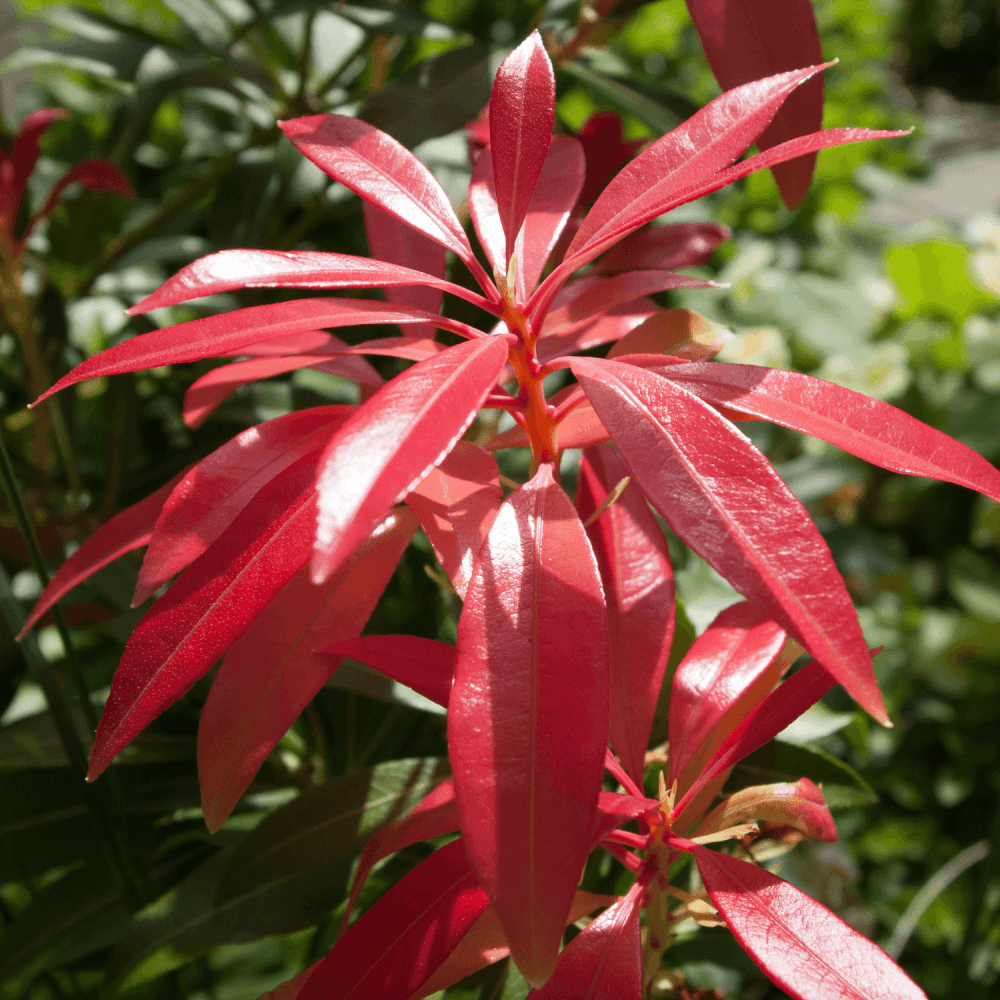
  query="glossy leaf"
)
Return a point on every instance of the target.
[
  {"x": 393, "y": 440},
  {"x": 603, "y": 328},
  {"x": 693, "y": 466},
  {"x": 406, "y": 935},
  {"x": 731, "y": 659},
  {"x": 208, "y": 609},
  {"x": 809, "y": 952},
  {"x": 639, "y": 589},
  {"x": 527, "y": 724},
  {"x": 456, "y": 504},
  {"x": 800, "y": 805},
  {"x": 228, "y": 270},
  {"x": 383, "y": 172},
  {"x": 680, "y": 333},
  {"x": 663, "y": 248},
  {"x": 130, "y": 529},
  {"x": 579, "y": 428},
  {"x": 215, "y": 336},
  {"x": 209, "y": 496},
  {"x": 426, "y": 665},
  {"x": 604, "y": 961},
  {"x": 522, "y": 113},
  {"x": 872, "y": 430},
  {"x": 747, "y": 39},
  {"x": 614, "y": 810},
  {"x": 275, "y": 669}
]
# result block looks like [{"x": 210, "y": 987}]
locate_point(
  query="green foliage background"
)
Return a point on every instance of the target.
[{"x": 184, "y": 95}]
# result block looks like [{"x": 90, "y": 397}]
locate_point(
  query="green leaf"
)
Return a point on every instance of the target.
[
  {"x": 657, "y": 117},
  {"x": 842, "y": 786},
  {"x": 373, "y": 15},
  {"x": 329, "y": 822},
  {"x": 975, "y": 583},
  {"x": 434, "y": 98},
  {"x": 933, "y": 277}
]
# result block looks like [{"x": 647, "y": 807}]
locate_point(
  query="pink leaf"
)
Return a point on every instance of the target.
[
  {"x": 130, "y": 529},
  {"x": 211, "y": 494},
  {"x": 231, "y": 269},
  {"x": 872, "y": 430},
  {"x": 663, "y": 248},
  {"x": 406, "y": 935},
  {"x": 747, "y": 39},
  {"x": 385, "y": 173},
  {"x": 604, "y": 961},
  {"x": 456, "y": 504},
  {"x": 209, "y": 607},
  {"x": 273, "y": 671},
  {"x": 527, "y": 722},
  {"x": 694, "y": 467},
  {"x": 608, "y": 326},
  {"x": 206, "y": 394},
  {"x": 809, "y": 952},
  {"x": 614, "y": 810},
  {"x": 215, "y": 336},
  {"x": 522, "y": 112},
  {"x": 426, "y": 665},
  {"x": 677, "y": 332},
  {"x": 304, "y": 342},
  {"x": 394, "y": 440},
  {"x": 639, "y": 588},
  {"x": 730, "y": 660}
]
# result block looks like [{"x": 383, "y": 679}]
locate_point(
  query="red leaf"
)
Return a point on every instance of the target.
[
  {"x": 606, "y": 151},
  {"x": 390, "y": 240},
  {"x": 663, "y": 248},
  {"x": 406, "y": 935},
  {"x": 694, "y": 467},
  {"x": 456, "y": 504},
  {"x": 426, "y": 665},
  {"x": 215, "y": 336},
  {"x": 747, "y": 39},
  {"x": 394, "y": 440},
  {"x": 527, "y": 722},
  {"x": 385, "y": 173},
  {"x": 485, "y": 943},
  {"x": 522, "y": 112},
  {"x": 436, "y": 815},
  {"x": 579, "y": 428},
  {"x": 212, "y": 493},
  {"x": 304, "y": 342},
  {"x": 729, "y": 661},
  {"x": 208, "y": 393},
  {"x": 809, "y": 952},
  {"x": 800, "y": 805},
  {"x": 872, "y": 430},
  {"x": 614, "y": 324},
  {"x": 677, "y": 332},
  {"x": 130, "y": 529},
  {"x": 209, "y": 607},
  {"x": 604, "y": 961},
  {"x": 639, "y": 588},
  {"x": 614, "y": 810},
  {"x": 26, "y": 150},
  {"x": 94, "y": 174},
  {"x": 275, "y": 668},
  {"x": 231, "y": 269}
]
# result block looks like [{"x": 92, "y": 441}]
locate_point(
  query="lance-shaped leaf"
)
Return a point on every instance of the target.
[
  {"x": 486, "y": 943},
  {"x": 614, "y": 810},
  {"x": 680, "y": 333},
  {"x": 747, "y": 39},
  {"x": 26, "y": 149},
  {"x": 94, "y": 174},
  {"x": 302, "y": 342},
  {"x": 130, "y": 529},
  {"x": 522, "y": 112},
  {"x": 604, "y": 961},
  {"x": 728, "y": 661},
  {"x": 528, "y": 716},
  {"x": 394, "y": 440},
  {"x": 228, "y": 270},
  {"x": 273, "y": 671},
  {"x": 209, "y": 496},
  {"x": 209, "y": 607},
  {"x": 426, "y": 665},
  {"x": 663, "y": 248},
  {"x": 434, "y": 816},
  {"x": 694, "y": 467},
  {"x": 639, "y": 589},
  {"x": 456, "y": 504},
  {"x": 612, "y": 325},
  {"x": 206, "y": 394},
  {"x": 406, "y": 935},
  {"x": 872, "y": 430},
  {"x": 228, "y": 333},
  {"x": 800, "y": 805},
  {"x": 385, "y": 173},
  {"x": 809, "y": 952}
]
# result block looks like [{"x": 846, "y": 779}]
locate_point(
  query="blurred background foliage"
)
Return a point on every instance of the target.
[{"x": 886, "y": 279}]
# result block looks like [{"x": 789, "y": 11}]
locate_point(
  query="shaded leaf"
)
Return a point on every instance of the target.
[
  {"x": 680, "y": 333},
  {"x": 663, "y": 247},
  {"x": 800, "y": 805}
]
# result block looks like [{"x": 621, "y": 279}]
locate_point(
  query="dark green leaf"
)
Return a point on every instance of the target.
[{"x": 657, "y": 117}]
